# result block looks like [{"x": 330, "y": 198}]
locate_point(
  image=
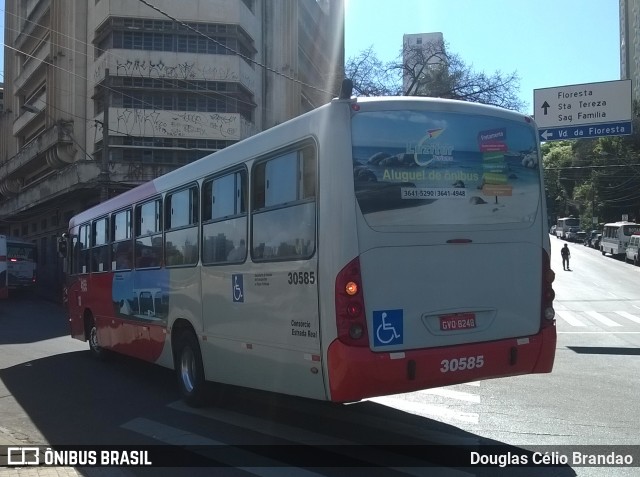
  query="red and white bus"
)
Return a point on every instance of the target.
[
  {"x": 4, "y": 283},
  {"x": 368, "y": 247},
  {"x": 22, "y": 263}
]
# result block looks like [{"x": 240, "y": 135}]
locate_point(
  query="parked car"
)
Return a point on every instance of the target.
[
  {"x": 552, "y": 231},
  {"x": 581, "y": 237},
  {"x": 632, "y": 249},
  {"x": 572, "y": 234},
  {"x": 591, "y": 238}
]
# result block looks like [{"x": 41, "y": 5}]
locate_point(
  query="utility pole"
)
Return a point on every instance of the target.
[{"x": 103, "y": 177}]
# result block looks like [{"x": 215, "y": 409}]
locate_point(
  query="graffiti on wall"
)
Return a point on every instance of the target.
[
  {"x": 225, "y": 68},
  {"x": 178, "y": 124}
]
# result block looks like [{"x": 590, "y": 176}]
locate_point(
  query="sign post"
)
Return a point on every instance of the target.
[{"x": 583, "y": 110}]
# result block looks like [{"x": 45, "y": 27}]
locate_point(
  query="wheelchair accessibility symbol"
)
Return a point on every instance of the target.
[
  {"x": 238, "y": 288},
  {"x": 388, "y": 325}
]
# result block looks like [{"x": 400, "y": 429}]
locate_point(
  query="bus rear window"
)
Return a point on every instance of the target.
[{"x": 432, "y": 168}]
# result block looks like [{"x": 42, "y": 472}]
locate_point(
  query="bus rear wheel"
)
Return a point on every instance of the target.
[{"x": 189, "y": 370}]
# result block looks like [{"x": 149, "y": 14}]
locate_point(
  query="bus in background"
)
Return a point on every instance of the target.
[
  {"x": 616, "y": 236},
  {"x": 567, "y": 227},
  {"x": 21, "y": 264},
  {"x": 368, "y": 247},
  {"x": 4, "y": 284}
]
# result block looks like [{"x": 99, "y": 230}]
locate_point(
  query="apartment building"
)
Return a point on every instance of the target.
[
  {"x": 102, "y": 95},
  {"x": 630, "y": 44},
  {"x": 419, "y": 51}
]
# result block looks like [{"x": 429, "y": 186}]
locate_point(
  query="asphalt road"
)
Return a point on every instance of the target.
[{"x": 54, "y": 392}]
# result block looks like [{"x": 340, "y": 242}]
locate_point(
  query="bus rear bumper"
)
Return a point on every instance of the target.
[{"x": 358, "y": 373}]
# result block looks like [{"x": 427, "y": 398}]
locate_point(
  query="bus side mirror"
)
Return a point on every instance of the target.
[{"x": 62, "y": 246}]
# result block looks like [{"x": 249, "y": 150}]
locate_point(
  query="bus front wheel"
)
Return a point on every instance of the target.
[{"x": 189, "y": 369}]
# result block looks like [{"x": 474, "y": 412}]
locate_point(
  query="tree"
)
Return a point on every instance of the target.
[
  {"x": 594, "y": 177},
  {"x": 370, "y": 76},
  {"x": 557, "y": 159},
  {"x": 430, "y": 70}
]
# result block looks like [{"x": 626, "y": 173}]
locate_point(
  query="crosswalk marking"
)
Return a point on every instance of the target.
[
  {"x": 569, "y": 318},
  {"x": 628, "y": 316},
  {"x": 601, "y": 318},
  {"x": 427, "y": 410},
  {"x": 175, "y": 436},
  {"x": 573, "y": 318},
  {"x": 450, "y": 393}
]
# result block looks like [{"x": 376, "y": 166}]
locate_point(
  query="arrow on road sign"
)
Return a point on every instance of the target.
[
  {"x": 546, "y": 134},
  {"x": 545, "y": 106}
]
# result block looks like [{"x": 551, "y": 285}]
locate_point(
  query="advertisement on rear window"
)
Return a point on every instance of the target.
[{"x": 424, "y": 168}]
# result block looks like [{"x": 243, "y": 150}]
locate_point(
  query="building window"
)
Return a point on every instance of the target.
[{"x": 158, "y": 35}]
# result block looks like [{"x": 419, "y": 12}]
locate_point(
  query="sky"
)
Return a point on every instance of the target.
[{"x": 548, "y": 43}]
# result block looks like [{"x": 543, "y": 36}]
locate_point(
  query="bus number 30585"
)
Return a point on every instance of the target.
[
  {"x": 302, "y": 278},
  {"x": 460, "y": 364}
]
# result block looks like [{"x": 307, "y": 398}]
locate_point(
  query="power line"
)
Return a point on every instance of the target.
[
  {"x": 126, "y": 134},
  {"x": 198, "y": 90}
]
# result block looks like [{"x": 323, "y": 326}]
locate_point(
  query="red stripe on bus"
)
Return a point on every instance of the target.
[{"x": 358, "y": 373}]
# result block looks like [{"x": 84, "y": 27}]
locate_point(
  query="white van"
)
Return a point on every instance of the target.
[{"x": 632, "y": 249}]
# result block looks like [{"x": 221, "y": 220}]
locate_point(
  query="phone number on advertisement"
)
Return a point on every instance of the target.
[{"x": 415, "y": 193}]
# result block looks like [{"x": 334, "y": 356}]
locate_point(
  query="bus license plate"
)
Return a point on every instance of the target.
[{"x": 457, "y": 321}]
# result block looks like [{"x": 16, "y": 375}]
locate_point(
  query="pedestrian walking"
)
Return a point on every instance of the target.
[{"x": 566, "y": 255}]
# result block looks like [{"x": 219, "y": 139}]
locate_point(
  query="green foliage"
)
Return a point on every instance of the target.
[{"x": 594, "y": 177}]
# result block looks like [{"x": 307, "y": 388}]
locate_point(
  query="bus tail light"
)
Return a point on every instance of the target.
[
  {"x": 548, "y": 294},
  {"x": 351, "y": 319}
]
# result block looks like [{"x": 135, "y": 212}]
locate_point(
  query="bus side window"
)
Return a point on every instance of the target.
[
  {"x": 100, "y": 252},
  {"x": 181, "y": 220},
  {"x": 224, "y": 219},
  {"x": 122, "y": 248},
  {"x": 148, "y": 233},
  {"x": 284, "y": 227},
  {"x": 84, "y": 250}
]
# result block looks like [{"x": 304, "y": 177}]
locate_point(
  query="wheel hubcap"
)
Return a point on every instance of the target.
[{"x": 187, "y": 369}]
